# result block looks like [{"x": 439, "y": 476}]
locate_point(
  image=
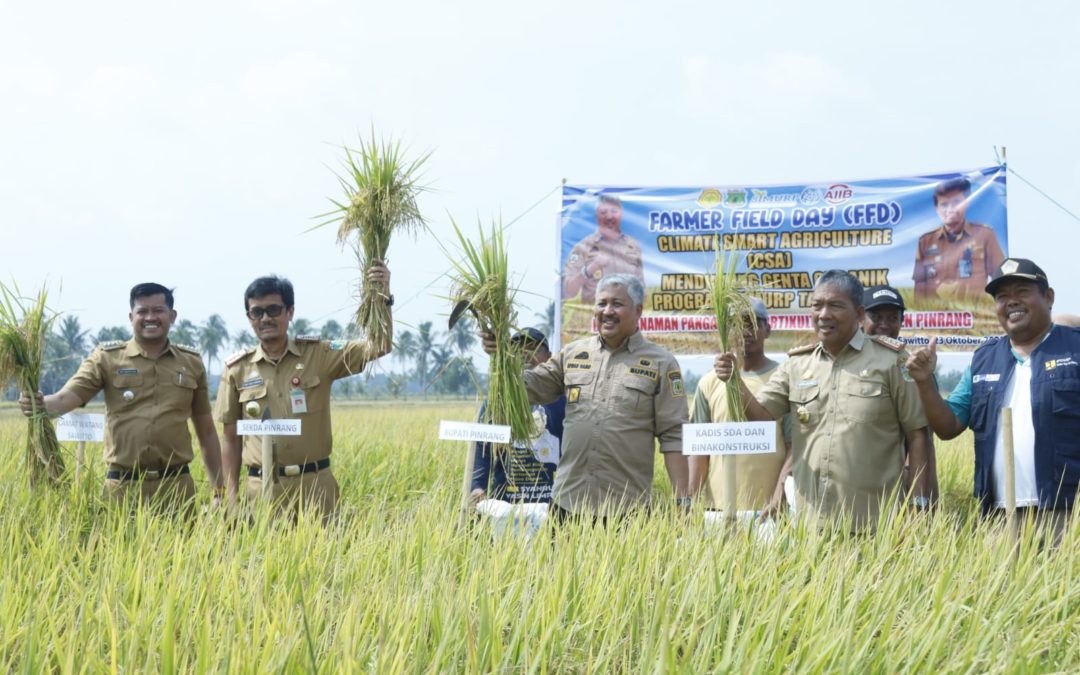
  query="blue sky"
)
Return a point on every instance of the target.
[{"x": 192, "y": 144}]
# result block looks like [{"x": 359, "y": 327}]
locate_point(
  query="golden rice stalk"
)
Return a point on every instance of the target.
[
  {"x": 481, "y": 282},
  {"x": 381, "y": 188},
  {"x": 734, "y": 316},
  {"x": 24, "y": 325}
]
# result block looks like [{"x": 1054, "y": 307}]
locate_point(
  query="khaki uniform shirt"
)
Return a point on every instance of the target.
[
  {"x": 617, "y": 403},
  {"x": 756, "y": 475},
  {"x": 146, "y": 428},
  {"x": 849, "y": 415},
  {"x": 309, "y": 365},
  {"x": 623, "y": 255},
  {"x": 943, "y": 263}
]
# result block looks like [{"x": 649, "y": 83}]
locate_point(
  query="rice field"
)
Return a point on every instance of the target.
[{"x": 396, "y": 585}]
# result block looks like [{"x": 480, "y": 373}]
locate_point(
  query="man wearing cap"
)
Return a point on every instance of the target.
[
  {"x": 623, "y": 393},
  {"x": 526, "y": 473},
  {"x": 760, "y": 478},
  {"x": 885, "y": 316},
  {"x": 606, "y": 251},
  {"x": 852, "y": 411},
  {"x": 289, "y": 378},
  {"x": 152, "y": 388},
  {"x": 1034, "y": 370},
  {"x": 954, "y": 261}
]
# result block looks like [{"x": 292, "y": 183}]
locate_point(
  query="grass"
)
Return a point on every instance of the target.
[{"x": 396, "y": 586}]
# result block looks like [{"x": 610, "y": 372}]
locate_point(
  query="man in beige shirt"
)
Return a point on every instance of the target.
[
  {"x": 955, "y": 260},
  {"x": 605, "y": 252},
  {"x": 152, "y": 388},
  {"x": 292, "y": 379},
  {"x": 852, "y": 407},
  {"x": 759, "y": 478},
  {"x": 623, "y": 393}
]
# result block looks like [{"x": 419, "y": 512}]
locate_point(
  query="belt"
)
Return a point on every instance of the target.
[
  {"x": 148, "y": 474},
  {"x": 292, "y": 469}
]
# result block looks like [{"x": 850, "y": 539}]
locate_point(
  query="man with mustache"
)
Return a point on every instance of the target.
[
  {"x": 292, "y": 378},
  {"x": 852, "y": 408},
  {"x": 607, "y": 251},
  {"x": 152, "y": 387}
]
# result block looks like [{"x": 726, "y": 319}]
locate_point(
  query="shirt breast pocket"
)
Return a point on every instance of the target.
[
  {"x": 865, "y": 400},
  {"x": 252, "y": 402},
  {"x": 312, "y": 394},
  {"x": 806, "y": 404},
  {"x": 125, "y": 390},
  {"x": 636, "y": 394}
]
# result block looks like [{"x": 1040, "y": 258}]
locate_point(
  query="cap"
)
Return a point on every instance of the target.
[
  {"x": 759, "y": 309},
  {"x": 531, "y": 335},
  {"x": 879, "y": 296},
  {"x": 1016, "y": 268}
]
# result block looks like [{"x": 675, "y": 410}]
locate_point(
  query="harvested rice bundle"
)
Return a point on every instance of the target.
[
  {"x": 24, "y": 325},
  {"x": 381, "y": 188},
  {"x": 734, "y": 316},
  {"x": 480, "y": 283}
]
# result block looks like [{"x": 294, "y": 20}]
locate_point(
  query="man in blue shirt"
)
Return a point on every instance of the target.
[
  {"x": 524, "y": 472},
  {"x": 1035, "y": 371}
]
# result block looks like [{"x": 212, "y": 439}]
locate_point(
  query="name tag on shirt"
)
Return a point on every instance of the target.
[{"x": 298, "y": 399}]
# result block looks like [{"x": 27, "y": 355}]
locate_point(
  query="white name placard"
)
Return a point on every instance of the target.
[
  {"x": 729, "y": 438},
  {"x": 81, "y": 427},
  {"x": 268, "y": 427},
  {"x": 471, "y": 431}
]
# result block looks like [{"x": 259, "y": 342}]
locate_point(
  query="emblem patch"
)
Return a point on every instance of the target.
[
  {"x": 573, "y": 393},
  {"x": 676, "y": 381}
]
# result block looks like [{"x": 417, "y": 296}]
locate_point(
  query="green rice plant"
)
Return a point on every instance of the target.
[
  {"x": 481, "y": 283},
  {"x": 730, "y": 303},
  {"x": 24, "y": 325},
  {"x": 381, "y": 189}
]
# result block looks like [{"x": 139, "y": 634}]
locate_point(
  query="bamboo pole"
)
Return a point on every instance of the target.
[
  {"x": 267, "y": 459},
  {"x": 466, "y": 483},
  {"x": 80, "y": 453},
  {"x": 730, "y": 489},
  {"x": 1010, "y": 471}
]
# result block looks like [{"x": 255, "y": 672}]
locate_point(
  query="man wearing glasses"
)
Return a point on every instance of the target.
[{"x": 288, "y": 378}]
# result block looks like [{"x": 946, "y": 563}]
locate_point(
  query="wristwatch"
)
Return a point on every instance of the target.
[
  {"x": 920, "y": 502},
  {"x": 389, "y": 300},
  {"x": 684, "y": 503}
]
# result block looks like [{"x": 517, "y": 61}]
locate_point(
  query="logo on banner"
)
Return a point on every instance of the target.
[
  {"x": 710, "y": 197},
  {"x": 734, "y": 198},
  {"x": 838, "y": 194},
  {"x": 810, "y": 196}
]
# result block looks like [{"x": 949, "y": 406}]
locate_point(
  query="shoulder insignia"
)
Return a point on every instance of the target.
[
  {"x": 308, "y": 338},
  {"x": 238, "y": 355},
  {"x": 189, "y": 349},
  {"x": 804, "y": 349},
  {"x": 888, "y": 342},
  {"x": 112, "y": 344}
]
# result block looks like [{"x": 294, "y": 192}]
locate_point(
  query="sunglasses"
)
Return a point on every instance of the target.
[{"x": 272, "y": 311}]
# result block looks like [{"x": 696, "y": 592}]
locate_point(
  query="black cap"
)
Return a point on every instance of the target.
[
  {"x": 880, "y": 296},
  {"x": 1017, "y": 268},
  {"x": 530, "y": 335}
]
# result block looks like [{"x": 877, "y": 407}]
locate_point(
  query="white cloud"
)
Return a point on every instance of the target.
[
  {"x": 33, "y": 80},
  {"x": 116, "y": 90},
  {"x": 295, "y": 77}
]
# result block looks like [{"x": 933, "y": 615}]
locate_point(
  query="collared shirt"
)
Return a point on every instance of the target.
[
  {"x": 960, "y": 267},
  {"x": 252, "y": 382},
  {"x": 148, "y": 401},
  {"x": 849, "y": 416},
  {"x": 756, "y": 475},
  {"x": 617, "y": 403},
  {"x": 623, "y": 256}
]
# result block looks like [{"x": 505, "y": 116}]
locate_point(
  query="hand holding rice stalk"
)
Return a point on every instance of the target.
[
  {"x": 23, "y": 329},
  {"x": 380, "y": 199},
  {"x": 734, "y": 316},
  {"x": 481, "y": 284}
]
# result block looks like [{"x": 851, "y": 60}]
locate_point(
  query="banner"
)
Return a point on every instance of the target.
[{"x": 935, "y": 238}]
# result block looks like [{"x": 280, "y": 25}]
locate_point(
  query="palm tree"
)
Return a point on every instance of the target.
[
  {"x": 462, "y": 336},
  {"x": 302, "y": 327},
  {"x": 332, "y": 330},
  {"x": 185, "y": 333},
  {"x": 213, "y": 337},
  {"x": 244, "y": 338},
  {"x": 405, "y": 348},
  {"x": 73, "y": 335},
  {"x": 110, "y": 333},
  {"x": 425, "y": 343},
  {"x": 547, "y": 320}
]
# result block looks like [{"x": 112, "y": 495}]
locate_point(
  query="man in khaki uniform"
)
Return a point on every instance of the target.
[
  {"x": 605, "y": 252},
  {"x": 760, "y": 478},
  {"x": 622, "y": 392},
  {"x": 292, "y": 379},
  {"x": 852, "y": 408},
  {"x": 955, "y": 260},
  {"x": 152, "y": 387}
]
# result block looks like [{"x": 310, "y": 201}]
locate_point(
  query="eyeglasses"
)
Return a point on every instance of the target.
[{"x": 273, "y": 311}]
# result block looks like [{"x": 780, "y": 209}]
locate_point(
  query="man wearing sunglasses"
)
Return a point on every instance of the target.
[{"x": 289, "y": 378}]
